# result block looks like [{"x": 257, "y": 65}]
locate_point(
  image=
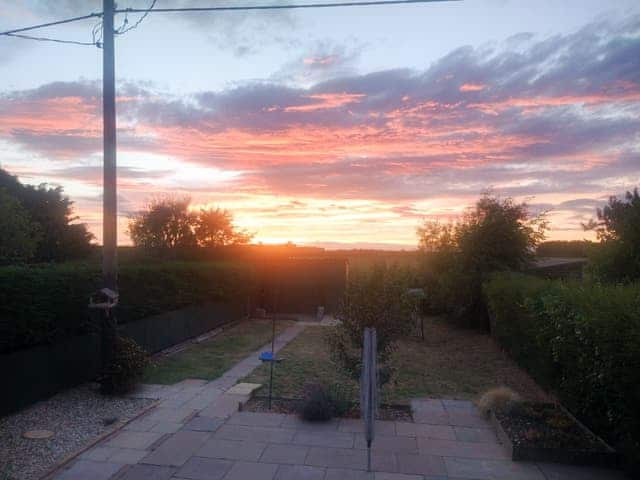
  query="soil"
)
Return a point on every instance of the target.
[
  {"x": 400, "y": 413},
  {"x": 545, "y": 425}
]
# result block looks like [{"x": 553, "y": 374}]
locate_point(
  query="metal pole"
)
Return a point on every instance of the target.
[{"x": 109, "y": 200}]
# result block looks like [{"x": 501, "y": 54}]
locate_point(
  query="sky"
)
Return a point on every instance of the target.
[{"x": 334, "y": 127}]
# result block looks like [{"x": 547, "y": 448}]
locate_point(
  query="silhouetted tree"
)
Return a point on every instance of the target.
[
  {"x": 618, "y": 229},
  {"x": 19, "y": 235},
  {"x": 214, "y": 228},
  {"x": 59, "y": 238}
]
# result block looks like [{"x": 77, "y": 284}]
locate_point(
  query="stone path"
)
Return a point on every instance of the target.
[{"x": 197, "y": 434}]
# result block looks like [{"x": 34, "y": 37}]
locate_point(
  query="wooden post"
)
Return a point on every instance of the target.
[{"x": 109, "y": 199}]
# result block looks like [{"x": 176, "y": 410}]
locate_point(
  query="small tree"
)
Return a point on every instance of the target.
[
  {"x": 377, "y": 300},
  {"x": 496, "y": 234},
  {"x": 214, "y": 228},
  {"x": 164, "y": 225},
  {"x": 618, "y": 229}
]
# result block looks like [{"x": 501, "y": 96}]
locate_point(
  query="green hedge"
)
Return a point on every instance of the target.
[
  {"x": 47, "y": 303},
  {"x": 581, "y": 341}
]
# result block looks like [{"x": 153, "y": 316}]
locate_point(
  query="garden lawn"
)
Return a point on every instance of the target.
[
  {"x": 451, "y": 363},
  {"x": 210, "y": 359}
]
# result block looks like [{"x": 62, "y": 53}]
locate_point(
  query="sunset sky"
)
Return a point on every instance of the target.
[{"x": 329, "y": 126}]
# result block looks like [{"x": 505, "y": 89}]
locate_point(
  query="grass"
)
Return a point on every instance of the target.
[
  {"x": 451, "y": 363},
  {"x": 210, "y": 359}
]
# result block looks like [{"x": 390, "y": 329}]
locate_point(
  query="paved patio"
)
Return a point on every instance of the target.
[{"x": 196, "y": 433}]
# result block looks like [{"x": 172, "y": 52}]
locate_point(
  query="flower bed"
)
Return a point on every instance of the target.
[{"x": 546, "y": 432}]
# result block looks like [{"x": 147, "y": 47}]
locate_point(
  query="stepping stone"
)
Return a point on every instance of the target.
[{"x": 244, "y": 388}]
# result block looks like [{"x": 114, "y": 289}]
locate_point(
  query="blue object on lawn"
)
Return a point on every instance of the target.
[{"x": 267, "y": 356}]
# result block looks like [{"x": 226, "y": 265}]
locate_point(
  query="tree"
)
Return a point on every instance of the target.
[
  {"x": 165, "y": 224},
  {"x": 496, "y": 234},
  {"x": 214, "y": 228},
  {"x": 19, "y": 235},
  {"x": 618, "y": 229},
  {"x": 60, "y": 238}
]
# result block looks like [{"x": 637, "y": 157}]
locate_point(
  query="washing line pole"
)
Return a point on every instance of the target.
[{"x": 109, "y": 198}]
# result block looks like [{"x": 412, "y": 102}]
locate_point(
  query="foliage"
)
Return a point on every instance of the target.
[
  {"x": 321, "y": 403},
  {"x": 214, "y": 228},
  {"x": 497, "y": 234},
  {"x": 167, "y": 224},
  {"x": 567, "y": 249},
  {"x": 618, "y": 229},
  {"x": 46, "y": 303},
  {"x": 19, "y": 235},
  {"x": 58, "y": 238},
  {"x": 500, "y": 398},
  {"x": 125, "y": 369},
  {"x": 580, "y": 340},
  {"x": 378, "y": 299}
]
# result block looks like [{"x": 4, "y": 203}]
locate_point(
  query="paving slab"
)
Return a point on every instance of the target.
[
  {"x": 136, "y": 440},
  {"x": 459, "y": 405},
  {"x": 99, "y": 453},
  {"x": 244, "y": 388},
  {"x": 295, "y": 422},
  {"x": 421, "y": 464},
  {"x": 177, "y": 449},
  {"x": 166, "y": 427},
  {"x": 252, "y": 471},
  {"x": 356, "y": 425},
  {"x": 224, "y": 406},
  {"x": 337, "y": 458},
  {"x": 347, "y": 474},
  {"x": 203, "y": 424},
  {"x": 480, "y": 469},
  {"x": 285, "y": 454},
  {"x": 258, "y": 434},
  {"x": 389, "y": 443},
  {"x": 449, "y": 448},
  {"x": 396, "y": 476},
  {"x": 145, "y": 472},
  {"x": 231, "y": 449},
  {"x": 467, "y": 419},
  {"x": 324, "y": 439},
  {"x": 89, "y": 469},
  {"x": 256, "y": 419},
  {"x": 199, "y": 468},
  {"x": 299, "y": 472},
  {"x": 443, "y": 432},
  {"x": 128, "y": 456}
]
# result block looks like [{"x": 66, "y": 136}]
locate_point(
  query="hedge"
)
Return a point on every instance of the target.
[
  {"x": 48, "y": 303},
  {"x": 581, "y": 341}
]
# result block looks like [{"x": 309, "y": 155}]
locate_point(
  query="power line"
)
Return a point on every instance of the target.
[
  {"x": 47, "y": 39},
  {"x": 280, "y": 7},
  {"x": 51, "y": 24},
  {"x": 123, "y": 30}
]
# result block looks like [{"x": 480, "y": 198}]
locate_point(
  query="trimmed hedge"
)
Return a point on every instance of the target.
[
  {"x": 580, "y": 340},
  {"x": 43, "y": 304}
]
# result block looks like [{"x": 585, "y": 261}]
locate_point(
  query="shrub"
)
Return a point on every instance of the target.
[
  {"x": 318, "y": 404},
  {"x": 380, "y": 300},
  {"x": 125, "y": 368},
  {"x": 580, "y": 340},
  {"x": 501, "y": 398}
]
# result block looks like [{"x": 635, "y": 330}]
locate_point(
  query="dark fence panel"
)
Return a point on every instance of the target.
[
  {"x": 167, "y": 329},
  {"x": 37, "y": 373}
]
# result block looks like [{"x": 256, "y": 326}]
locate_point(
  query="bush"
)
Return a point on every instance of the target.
[
  {"x": 42, "y": 304},
  {"x": 322, "y": 403},
  {"x": 380, "y": 300},
  {"x": 125, "y": 368},
  {"x": 580, "y": 340}
]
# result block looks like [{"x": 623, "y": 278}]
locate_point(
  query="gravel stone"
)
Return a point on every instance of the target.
[{"x": 76, "y": 416}]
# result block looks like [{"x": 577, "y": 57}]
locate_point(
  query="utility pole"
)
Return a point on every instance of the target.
[{"x": 109, "y": 195}]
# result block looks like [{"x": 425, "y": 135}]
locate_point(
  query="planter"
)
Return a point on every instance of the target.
[{"x": 543, "y": 432}]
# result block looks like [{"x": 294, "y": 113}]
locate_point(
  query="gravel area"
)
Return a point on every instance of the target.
[{"x": 76, "y": 416}]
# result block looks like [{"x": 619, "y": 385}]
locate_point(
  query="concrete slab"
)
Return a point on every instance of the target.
[
  {"x": 136, "y": 440},
  {"x": 337, "y": 458},
  {"x": 198, "y": 468},
  {"x": 252, "y": 471},
  {"x": 285, "y": 454},
  {"x": 203, "y": 424},
  {"x": 89, "y": 469},
  {"x": 256, "y": 419},
  {"x": 443, "y": 432},
  {"x": 231, "y": 449},
  {"x": 324, "y": 439},
  {"x": 448, "y": 448},
  {"x": 224, "y": 406},
  {"x": 177, "y": 449},
  {"x": 99, "y": 454},
  {"x": 356, "y": 425},
  {"x": 244, "y": 388},
  {"x": 258, "y": 434},
  {"x": 128, "y": 456},
  {"x": 475, "y": 434},
  {"x": 347, "y": 474},
  {"x": 389, "y": 443},
  {"x": 299, "y": 472},
  {"x": 145, "y": 472},
  {"x": 421, "y": 464},
  {"x": 295, "y": 422}
]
